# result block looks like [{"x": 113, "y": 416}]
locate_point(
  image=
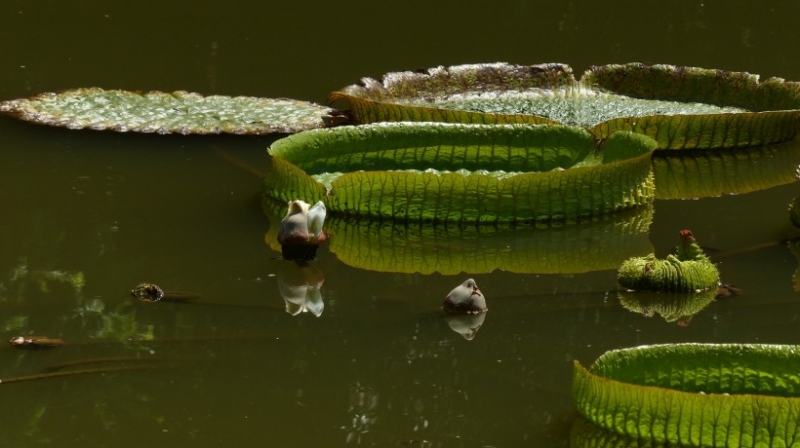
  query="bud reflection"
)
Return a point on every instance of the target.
[{"x": 300, "y": 284}]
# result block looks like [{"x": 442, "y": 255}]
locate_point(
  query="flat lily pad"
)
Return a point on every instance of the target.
[
  {"x": 679, "y": 107},
  {"x": 165, "y": 113}
]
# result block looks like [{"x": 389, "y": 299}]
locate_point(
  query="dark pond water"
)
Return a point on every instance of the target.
[{"x": 88, "y": 215}]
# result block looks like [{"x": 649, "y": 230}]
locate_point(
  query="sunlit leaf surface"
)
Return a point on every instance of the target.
[
  {"x": 166, "y": 113},
  {"x": 695, "y": 394},
  {"x": 679, "y": 107},
  {"x": 440, "y": 172}
]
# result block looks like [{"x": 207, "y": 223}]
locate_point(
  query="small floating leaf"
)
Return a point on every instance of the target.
[
  {"x": 694, "y": 394},
  {"x": 165, "y": 113}
]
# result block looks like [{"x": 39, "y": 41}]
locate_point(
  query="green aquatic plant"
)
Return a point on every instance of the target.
[
  {"x": 697, "y": 395},
  {"x": 467, "y": 173},
  {"x": 688, "y": 270},
  {"x": 167, "y": 113},
  {"x": 679, "y": 107},
  {"x": 427, "y": 172}
]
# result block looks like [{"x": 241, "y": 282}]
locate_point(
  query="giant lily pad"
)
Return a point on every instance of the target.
[
  {"x": 679, "y": 107},
  {"x": 166, "y": 113},
  {"x": 694, "y": 394},
  {"x": 464, "y": 173},
  {"x": 449, "y": 250}
]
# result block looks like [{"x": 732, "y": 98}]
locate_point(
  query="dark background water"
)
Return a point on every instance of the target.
[{"x": 379, "y": 366}]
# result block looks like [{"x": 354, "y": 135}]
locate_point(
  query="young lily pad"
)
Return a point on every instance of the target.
[
  {"x": 467, "y": 173},
  {"x": 416, "y": 248},
  {"x": 688, "y": 271},
  {"x": 166, "y": 113},
  {"x": 694, "y": 394},
  {"x": 679, "y": 107}
]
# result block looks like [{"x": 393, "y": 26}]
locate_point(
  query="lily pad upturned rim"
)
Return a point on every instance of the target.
[
  {"x": 694, "y": 394},
  {"x": 772, "y": 104},
  {"x": 558, "y": 195},
  {"x": 178, "y": 112}
]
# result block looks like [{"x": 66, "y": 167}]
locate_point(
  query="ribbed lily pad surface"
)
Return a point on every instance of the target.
[
  {"x": 703, "y": 395},
  {"x": 679, "y": 107},
  {"x": 560, "y": 172},
  {"x": 166, "y": 113}
]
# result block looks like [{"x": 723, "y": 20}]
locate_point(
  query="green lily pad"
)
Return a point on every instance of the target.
[
  {"x": 166, "y": 113},
  {"x": 465, "y": 173},
  {"x": 679, "y": 107},
  {"x": 694, "y": 394},
  {"x": 449, "y": 250}
]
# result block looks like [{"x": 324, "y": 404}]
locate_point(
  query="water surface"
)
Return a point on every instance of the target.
[{"x": 379, "y": 366}]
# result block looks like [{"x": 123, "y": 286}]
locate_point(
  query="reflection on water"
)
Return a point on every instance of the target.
[
  {"x": 467, "y": 325},
  {"x": 410, "y": 247},
  {"x": 299, "y": 284},
  {"x": 673, "y": 307}
]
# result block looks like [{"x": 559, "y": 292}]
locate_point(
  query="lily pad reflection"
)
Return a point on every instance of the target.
[
  {"x": 672, "y": 307},
  {"x": 387, "y": 246}
]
